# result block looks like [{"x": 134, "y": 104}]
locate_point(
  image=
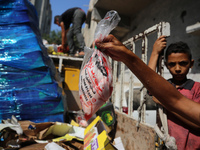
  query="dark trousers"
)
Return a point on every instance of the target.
[{"x": 75, "y": 32}]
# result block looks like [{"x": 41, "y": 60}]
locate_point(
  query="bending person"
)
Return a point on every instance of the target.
[
  {"x": 171, "y": 99},
  {"x": 75, "y": 16}
]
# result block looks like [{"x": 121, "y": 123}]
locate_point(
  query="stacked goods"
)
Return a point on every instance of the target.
[{"x": 28, "y": 88}]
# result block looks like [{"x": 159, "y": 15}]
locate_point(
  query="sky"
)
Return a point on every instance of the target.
[{"x": 59, "y": 6}]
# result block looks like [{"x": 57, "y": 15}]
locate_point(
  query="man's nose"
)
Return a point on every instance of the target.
[{"x": 178, "y": 68}]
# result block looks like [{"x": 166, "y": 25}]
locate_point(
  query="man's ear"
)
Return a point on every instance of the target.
[{"x": 191, "y": 63}]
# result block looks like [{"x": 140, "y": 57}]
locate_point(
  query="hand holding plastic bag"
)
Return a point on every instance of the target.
[{"x": 95, "y": 83}]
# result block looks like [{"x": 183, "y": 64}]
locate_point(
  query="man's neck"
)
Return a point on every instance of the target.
[{"x": 179, "y": 82}]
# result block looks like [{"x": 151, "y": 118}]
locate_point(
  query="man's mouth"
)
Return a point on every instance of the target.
[{"x": 179, "y": 76}]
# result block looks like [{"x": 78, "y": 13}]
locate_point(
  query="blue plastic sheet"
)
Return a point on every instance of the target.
[{"x": 28, "y": 88}]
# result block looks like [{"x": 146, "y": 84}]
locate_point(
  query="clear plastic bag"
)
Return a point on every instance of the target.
[
  {"x": 106, "y": 25},
  {"x": 95, "y": 83}
]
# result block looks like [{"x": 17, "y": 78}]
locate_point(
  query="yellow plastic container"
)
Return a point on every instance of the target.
[{"x": 72, "y": 79}]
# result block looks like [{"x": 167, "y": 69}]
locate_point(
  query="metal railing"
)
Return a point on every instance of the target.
[{"x": 163, "y": 28}]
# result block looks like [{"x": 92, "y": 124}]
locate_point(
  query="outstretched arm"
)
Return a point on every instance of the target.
[
  {"x": 186, "y": 121},
  {"x": 171, "y": 99}
]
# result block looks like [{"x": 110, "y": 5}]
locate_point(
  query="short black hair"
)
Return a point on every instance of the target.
[
  {"x": 178, "y": 47},
  {"x": 55, "y": 18}
]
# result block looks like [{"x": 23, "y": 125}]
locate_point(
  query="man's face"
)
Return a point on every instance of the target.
[
  {"x": 57, "y": 22},
  {"x": 179, "y": 65}
]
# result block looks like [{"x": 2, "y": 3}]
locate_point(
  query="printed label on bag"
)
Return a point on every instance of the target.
[{"x": 95, "y": 85}]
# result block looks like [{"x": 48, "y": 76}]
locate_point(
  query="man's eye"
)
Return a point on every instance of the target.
[
  {"x": 171, "y": 64},
  {"x": 183, "y": 63}
]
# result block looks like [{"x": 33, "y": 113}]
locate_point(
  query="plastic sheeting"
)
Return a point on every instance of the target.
[{"x": 28, "y": 88}]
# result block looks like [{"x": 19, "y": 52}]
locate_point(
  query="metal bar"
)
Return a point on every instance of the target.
[
  {"x": 122, "y": 86},
  {"x": 131, "y": 86},
  {"x": 143, "y": 93},
  {"x": 144, "y": 90},
  {"x": 114, "y": 82},
  {"x": 61, "y": 58},
  {"x": 66, "y": 58},
  {"x": 163, "y": 29},
  {"x": 60, "y": 64}
]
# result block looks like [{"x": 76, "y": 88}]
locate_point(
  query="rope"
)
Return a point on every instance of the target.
[
  {"x": 140, "y": 108},
  {"x": 170, "y": 142}
]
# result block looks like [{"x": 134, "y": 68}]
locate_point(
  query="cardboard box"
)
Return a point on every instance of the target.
[
  {"x": 38, "y": 135},
  {"x": 95, "y": 136},
  {"x": 64, "y": 131},
  {"x": 107, "y": 114}
]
